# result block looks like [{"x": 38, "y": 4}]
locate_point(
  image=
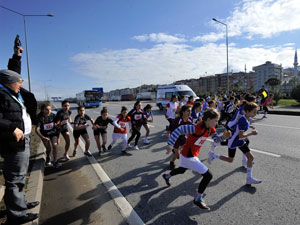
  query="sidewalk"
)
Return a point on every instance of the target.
[{"x": 73, "y": 194}]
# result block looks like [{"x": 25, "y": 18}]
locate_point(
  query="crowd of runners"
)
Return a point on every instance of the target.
[{"x": 191, "y": 122}]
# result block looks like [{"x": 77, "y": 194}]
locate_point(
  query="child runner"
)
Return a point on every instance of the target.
[
  {"x": 190, "y": 101},
  {"x": 239, "y": 139},
  {"x": 149, "y": 115},
  {"x": 100, "y": 127},
  {"x": 80, "y": 125},
  {"x": 183, "y": 119},
  {"x": 120, "y": 129},
  {"x": 196, "y": 112},
  {"x": 63, "y": 116},
  {"x": 46, "y": 129},
  {"x": 137, "y": 119},
  {"x": 267, "y": 102},
  {"x": 197, "y": 134},
  {"x": 170, "y": 111}
]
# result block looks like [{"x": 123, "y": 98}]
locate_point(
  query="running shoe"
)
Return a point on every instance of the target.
[
  {"x": 146, "y": 141},
  {"x": 252, "y": 180},
  {"x": 56, "y": 165},
  {"x": 129, "y": 145},
  {"x": 104, "y": 148},
  {"x": 211, "y": 157},
  {"x": 48, "y": 161},
  {"x": 74, "y": 153},
  {"x": 201, "y": 204},
  {"x": 88, "y": 153},
  {"x": 109, "y": 147},
  {"x": 136, "y": 147},
  {"x": 167, "y": 180},
  {"x": 66, "y": 156},
  {"x": 99, "y": 153},
  {"x": 264, "y": 116}
]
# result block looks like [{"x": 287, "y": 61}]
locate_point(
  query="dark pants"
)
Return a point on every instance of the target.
[
  {"x": 135, "y": 132},
  {"x": 15, "y": 171}
]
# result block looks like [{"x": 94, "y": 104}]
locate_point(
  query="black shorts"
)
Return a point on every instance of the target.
[
  {"x": 50, "y": 134},
  {"x": 265, "y": 108},
  {"x": 77, "y": 133},
  {"x": 99, "y": 131},
  {"x": 245, "y": 148}
]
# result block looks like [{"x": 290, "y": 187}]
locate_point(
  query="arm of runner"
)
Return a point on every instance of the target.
[
  {"x": 115, "y": 123},
  {"x": 38, "y": 131},
  {"x": 243, "y": 135},
  {"x": 185, "y": 129},
  {"x": 219, "y": 138}
]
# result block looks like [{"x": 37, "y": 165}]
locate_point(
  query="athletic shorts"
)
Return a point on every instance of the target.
[
  {"x": 50, "y": 134},
  {"x": 245, "y": 148},
  {"x": 77, "y": 133},
  {"x": 99, "y": 131},
  {"x": 193, "y": 163}
]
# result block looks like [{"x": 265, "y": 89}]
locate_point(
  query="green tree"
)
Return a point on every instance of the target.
[
  {"x": 295, "y": 94},
  {"x": 273, "y": 82}
]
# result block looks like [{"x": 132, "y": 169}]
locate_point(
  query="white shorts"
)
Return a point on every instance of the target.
[{"x": 193, "y": 163}]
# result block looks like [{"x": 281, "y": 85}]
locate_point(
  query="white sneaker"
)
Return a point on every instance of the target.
[
  {"x": 213, "y": 146},
  {"x": 66, "y": 156},
  {"x": 136, "y": 147},
  {"x": 129, "y": 146},
  {"x": 211, "y": 157},
  {"x": 146, "y": 141},
  {"x": 251, "y": 180}
]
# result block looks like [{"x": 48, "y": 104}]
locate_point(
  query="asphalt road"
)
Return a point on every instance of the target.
[{"x": 274, "y": 201}]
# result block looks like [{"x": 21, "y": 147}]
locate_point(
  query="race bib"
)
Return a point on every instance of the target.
[
  {"x": 48, "y": 126},
  {"x": 122, "y": 124},
  {"x": 137, "y": 116},
  {"x": 200, "y": 141}
]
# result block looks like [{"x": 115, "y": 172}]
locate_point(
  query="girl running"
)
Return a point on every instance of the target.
[
  {"x": 120, "y": 129},
  {"x": 196, "y": 112},
  {"x": 62, "y": 117},
  {"x": 137, "y": 119},
  {"x": 267, "y": 102},
  {"x": 197, "y": 135},
  {"x": 46, "y": 129},
  {"x": 149, "y": 115},
  {"x": 183, "y": 119},
  {"x": 170, "y": 111},
  {"x": 100, "y": 127},
  {"x": 80, "y": 125},
  {"x": 240, "y": 140}
]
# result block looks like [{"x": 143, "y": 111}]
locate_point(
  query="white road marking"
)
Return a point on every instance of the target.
[
  {"x": 124, "y": 207},
  {"x": 268, "y": 125},
  {"x": 259, "y": 151}
]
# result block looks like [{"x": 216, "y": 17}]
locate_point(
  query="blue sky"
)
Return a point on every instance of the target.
[{"x": 126, "y": 43}]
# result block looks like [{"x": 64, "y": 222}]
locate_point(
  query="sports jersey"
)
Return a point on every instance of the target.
[
  {"x": 268, "y": 100},
  {"x": 195, "y": 115},
  {"x": 242, "y": 125},
  {"x": 81, "y": 120},
  {"x": 46, "y": 124},
  {"x": 121, "y": 122},
  {"x": 63, "y": 117},
  {"x": 177, "y": 123},
  {"x": 196, "y": 138},
  {"x": 147, "y": 114},
  {"x": 137, "y": 117},
  {"x": 171, "y": 111},
  {"x": 236, "y": 117},
  {"x": 102, "y": 124}
]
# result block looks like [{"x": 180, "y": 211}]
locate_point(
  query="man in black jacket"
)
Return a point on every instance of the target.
[{"x": 17, "y": 113}]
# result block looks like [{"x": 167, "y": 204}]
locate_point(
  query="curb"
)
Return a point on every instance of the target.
[
  {"x": 285, "y": 112},
  {"x": 35, "y": 182}
]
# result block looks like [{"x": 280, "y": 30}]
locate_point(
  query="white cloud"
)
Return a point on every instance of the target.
[
  {"x": 159, "y": 38},
  {"x": 165, "y": 63},
  {"x": 212, "y": 37}
]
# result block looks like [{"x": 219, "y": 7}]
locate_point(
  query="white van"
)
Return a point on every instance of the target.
[{"x": 165, "y": 92}]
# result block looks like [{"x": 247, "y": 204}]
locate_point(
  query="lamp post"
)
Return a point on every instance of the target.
[
  {"x": 27, "y": 56},
  {"x": 214, "y": 19}
]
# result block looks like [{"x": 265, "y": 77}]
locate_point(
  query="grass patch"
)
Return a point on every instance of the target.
[{"x": 288, "y": 102}]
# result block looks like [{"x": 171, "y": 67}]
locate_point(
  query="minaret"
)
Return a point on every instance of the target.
[{"x": 296, "y": 64}]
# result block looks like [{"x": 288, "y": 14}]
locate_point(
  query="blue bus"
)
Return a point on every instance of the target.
[{"x": 89, "y": 98}]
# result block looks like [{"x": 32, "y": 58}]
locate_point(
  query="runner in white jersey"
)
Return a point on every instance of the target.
[{"x": 170, "y": 111}]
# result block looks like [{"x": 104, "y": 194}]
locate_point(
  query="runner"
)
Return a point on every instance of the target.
[
  {"x": 190, "y": 101},
  {"x": 62, "y": 117},
  {"x": 137, "y": 119},
  {"x": 46, "y": 129},
  {"x": 80, "y": 125},
  {"x": 120, "y": 128},
  {"x": 148, "y": 113},
  {"x": 267, "y": 102},
  {"x": 189, "y": 154},
  {"x": 183, "y": 119},
  {"x": 239, "y": 139},
  {"x": 170, "y": 111},
  {"x": 100, "y": 127},
  {"x": 196, "y": 112}
]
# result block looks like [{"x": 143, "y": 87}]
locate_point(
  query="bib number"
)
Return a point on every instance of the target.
[
  {"x": 200, "y": 141},
  {"x": 48, "y": 126}
]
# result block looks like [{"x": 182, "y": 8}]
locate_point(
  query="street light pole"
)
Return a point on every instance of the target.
[
  {"x": 26, "y": 42},
  {"x": 214, "y": 19}
]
